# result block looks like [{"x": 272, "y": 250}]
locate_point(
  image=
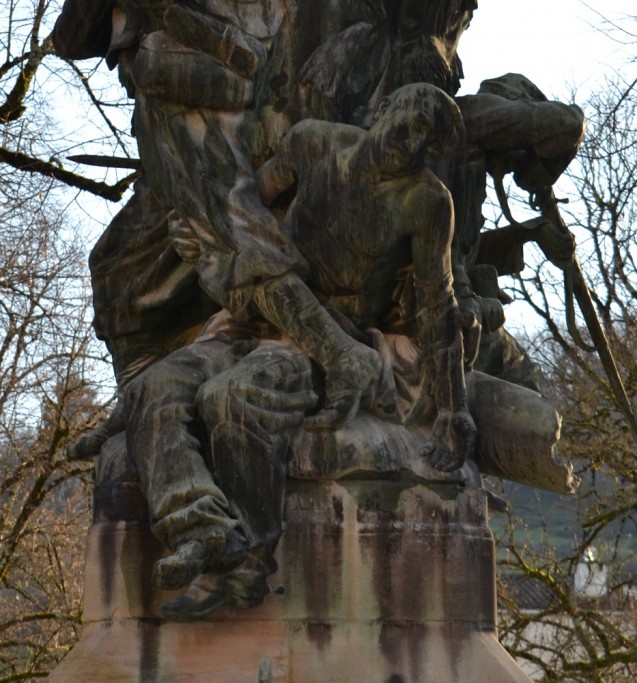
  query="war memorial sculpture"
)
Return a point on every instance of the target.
[{"x": 302, "y": 306}]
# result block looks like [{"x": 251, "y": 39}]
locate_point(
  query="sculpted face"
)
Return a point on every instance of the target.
[
  {"x": 417, "y": 124},
  {"x": 403, "y": 142}
]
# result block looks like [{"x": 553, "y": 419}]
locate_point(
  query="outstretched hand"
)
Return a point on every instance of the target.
[
  {"x": 351, "y": 378},
  {"x": 453, "y": 440},
  {"x": 478, "y": 315}
]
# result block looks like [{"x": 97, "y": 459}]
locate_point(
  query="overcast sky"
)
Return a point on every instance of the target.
[{"x": 555, "y": 43}]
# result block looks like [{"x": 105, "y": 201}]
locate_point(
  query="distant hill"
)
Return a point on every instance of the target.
[{"x": 551, "y": 522}]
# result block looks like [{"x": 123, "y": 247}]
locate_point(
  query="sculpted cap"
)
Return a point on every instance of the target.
[{"x": 513, "y": 87}]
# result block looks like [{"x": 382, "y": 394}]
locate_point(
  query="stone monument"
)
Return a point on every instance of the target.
[{"x": 302, "y": 306}]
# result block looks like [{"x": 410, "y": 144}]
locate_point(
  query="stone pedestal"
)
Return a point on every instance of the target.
[{"x": 378, "y": 582}]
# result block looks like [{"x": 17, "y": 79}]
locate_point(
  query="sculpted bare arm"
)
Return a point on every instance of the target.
[
  {"x": 306, "y": 144},
  {"x": 439, "y": 323}
]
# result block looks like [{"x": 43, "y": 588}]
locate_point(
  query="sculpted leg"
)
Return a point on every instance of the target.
[
  {"x": 187, "y": 510},
  {"x": 251, "y": 412}
]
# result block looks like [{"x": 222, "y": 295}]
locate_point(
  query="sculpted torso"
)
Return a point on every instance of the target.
[{"x": 352, "y": 224}]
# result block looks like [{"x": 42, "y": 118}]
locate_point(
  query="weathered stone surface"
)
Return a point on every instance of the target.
[
  {"x": 378, "y": 581},
  {"x": 309, "y": 173},
  {"x": 301, "y": 286}
]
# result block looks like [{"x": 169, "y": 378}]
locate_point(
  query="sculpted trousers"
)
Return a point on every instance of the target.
[{"x": 208, "y": 428}]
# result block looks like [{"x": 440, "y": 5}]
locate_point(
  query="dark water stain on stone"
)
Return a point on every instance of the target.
[
  {"x": 320, "y": 549},
  {"x": 391, "y": 643},
  {"x": 337, "y": 505},
  {"x": 395, "y": 678},
  {"x": 337, "y": 527},
  {"x": 107, "y": 564},
  {"x": 148, "y": 625},
  {"x": 381, "y": 541},
  {"x": 401, "y": 643},
  {"x": 149, "y": 650},
  {"x": 319, "y": 633},
  {"x": 400, "y": 549}
]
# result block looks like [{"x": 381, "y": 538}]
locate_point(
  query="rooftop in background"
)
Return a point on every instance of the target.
[{"x": 529, "y": 594}]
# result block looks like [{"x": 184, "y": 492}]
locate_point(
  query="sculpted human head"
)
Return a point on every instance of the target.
[{"x": 415, "y": 124}]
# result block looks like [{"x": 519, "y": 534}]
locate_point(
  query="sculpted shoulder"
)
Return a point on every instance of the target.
[{"x": 83, "y": 29}]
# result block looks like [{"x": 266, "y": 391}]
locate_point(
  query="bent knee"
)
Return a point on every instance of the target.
[{"x": 264, "y": 381}]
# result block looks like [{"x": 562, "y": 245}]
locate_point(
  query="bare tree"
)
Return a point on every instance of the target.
[
  {"x": 570, "y": 637},
  {"x": 53, "y": 378},
  {"x": 49, "y": 366},
  {"x": 89, "y": 115},
  {"x": 49, "y": 393}
]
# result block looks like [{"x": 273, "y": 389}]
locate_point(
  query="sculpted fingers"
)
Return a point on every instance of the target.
[{"x": 453, "y": 440}]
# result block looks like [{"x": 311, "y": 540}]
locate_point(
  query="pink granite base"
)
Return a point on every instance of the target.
[{"x": 378, "y": 582}]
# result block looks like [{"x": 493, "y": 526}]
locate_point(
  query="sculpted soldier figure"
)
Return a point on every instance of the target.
[
  {"x": 189, "y": 107},
  {"x": 511, "y": 128},
  {"x": 379, "y": 180},
  {"x": 267, "y": 294},
  {"x": 244, "y": 90},
  {"x": 366, "y": 206}
]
